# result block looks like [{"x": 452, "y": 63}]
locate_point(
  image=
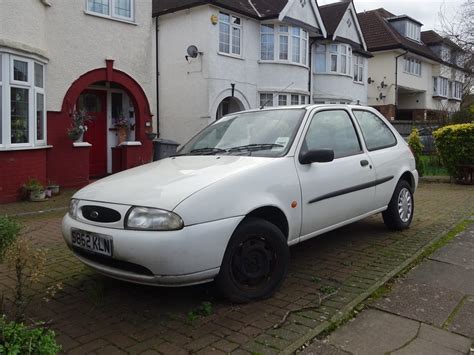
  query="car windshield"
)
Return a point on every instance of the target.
[{"x": 267, "y": 133}]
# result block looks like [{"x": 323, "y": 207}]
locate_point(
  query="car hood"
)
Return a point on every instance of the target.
[{"x": 165, "y": 183}]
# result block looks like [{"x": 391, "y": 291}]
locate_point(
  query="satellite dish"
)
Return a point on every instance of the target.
[{"x": 193, "y": 51}]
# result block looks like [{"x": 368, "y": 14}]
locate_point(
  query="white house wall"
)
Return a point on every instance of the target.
[
  {"x": 346, "y": 31},
  {"x": 336, "y": 87},
  {"x": 382, "y": 69},
  {"x": 184, "y": 88}
]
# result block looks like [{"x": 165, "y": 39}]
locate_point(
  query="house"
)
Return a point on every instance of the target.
[
  {"x": 340, "y": 60},
  {"x": 247, "y": 54},
  {"x": 59, "y": 57},
  {"x": 414, "y": 75}
]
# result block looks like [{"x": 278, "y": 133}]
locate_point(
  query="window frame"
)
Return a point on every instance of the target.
[
  {"x": 232, "y": 26},
  {"x": 111, "y": 15},
  {"x": 362, "y": 131},
  {"x": 354, "y": 126},
  {"x": 442, "y": 87},
  {"x": 289, "y": 98},
  {"x": 303, "y": 40},
  {"x": 334, "y": 49},
  {"x": 414, "y": 65},
  {"x": 358, "y": 64},
  {"x": 7, "y": 83}
]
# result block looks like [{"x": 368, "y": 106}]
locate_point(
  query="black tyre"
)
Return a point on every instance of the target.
[
  {"x": 255, "y": 262},
  {"x": 401, "y": 208}
]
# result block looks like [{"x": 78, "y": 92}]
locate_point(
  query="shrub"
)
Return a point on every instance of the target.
[
  {"x": 466, "y": 115},
  {"x": 9, "y": 230},
  {"x": 15, "y": 338},
  {"x": 455, "y": 145},
  {"x": 417, "y": 148}
]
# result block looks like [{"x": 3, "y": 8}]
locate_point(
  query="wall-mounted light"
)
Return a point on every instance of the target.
[{"x": 214, "y": 20}]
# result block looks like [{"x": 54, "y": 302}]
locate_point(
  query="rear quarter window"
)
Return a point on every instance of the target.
[{"x": 376, "y": 133}]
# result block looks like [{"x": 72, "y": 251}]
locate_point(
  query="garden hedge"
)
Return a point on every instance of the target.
[{"x": 455, "y": 145}]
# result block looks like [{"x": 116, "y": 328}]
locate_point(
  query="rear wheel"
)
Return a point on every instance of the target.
[
  {"x": 255, "y": 262},
  {"x": 399, "y": 213}
]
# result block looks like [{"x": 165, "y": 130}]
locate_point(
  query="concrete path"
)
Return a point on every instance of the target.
[{"x": 430, "y": 311}]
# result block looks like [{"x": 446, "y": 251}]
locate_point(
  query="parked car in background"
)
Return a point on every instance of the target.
[{"x": 233, "y": 199}]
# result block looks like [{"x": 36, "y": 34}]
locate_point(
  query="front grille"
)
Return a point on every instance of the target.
[
  {"x": 113, "y": 263},
  {"x": 100, "y": 214}
]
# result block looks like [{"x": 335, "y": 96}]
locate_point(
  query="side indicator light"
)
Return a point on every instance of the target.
[{"x": 294, "y": 204}]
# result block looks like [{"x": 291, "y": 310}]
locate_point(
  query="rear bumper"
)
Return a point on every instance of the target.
[{"x": 177, "y": 258}]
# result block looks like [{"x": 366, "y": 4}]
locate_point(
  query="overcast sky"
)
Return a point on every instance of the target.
[{"x": 425, "y": 11}]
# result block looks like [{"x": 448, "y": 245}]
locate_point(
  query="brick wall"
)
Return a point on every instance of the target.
[
  {"x": 16, "y": 167},
  {"x": 388, "y": 111}
]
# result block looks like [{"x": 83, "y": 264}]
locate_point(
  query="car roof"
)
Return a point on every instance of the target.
[{"x": 309, "y": 107}]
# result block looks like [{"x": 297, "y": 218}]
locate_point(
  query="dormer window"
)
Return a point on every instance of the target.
[{"x": 407, "y": 27}]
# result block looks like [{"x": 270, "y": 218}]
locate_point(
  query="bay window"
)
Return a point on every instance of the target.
[
  {"x": 230, "y": 34},
  {"x": 440, "y": 86},
  {"x": 333, "y": 58},
  {"x": 114, "y": 9},
  {"x": 283, "y": 43},
  {"x": 358, "y": 69},
  {"x": 22, "y": 102},
  {"x": 457, "y": 90}
]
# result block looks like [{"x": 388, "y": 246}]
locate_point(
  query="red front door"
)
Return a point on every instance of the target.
[{"x": 95, "y": 104}]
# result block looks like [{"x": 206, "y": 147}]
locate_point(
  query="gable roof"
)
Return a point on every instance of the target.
[
  {"x": 380, "y": 35},
  {"x": 332, "y": 15},
  {"x": 259, "y": 9}
]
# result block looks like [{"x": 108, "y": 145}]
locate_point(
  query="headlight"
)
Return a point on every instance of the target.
[
  {"x": 152, "y": 219},
  {"x": 73, "y": 208}
]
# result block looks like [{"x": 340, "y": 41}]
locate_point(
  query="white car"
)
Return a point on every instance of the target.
[{"x": 233, "y": 199}]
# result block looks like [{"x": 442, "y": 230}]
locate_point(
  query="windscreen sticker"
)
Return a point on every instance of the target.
[{"x": 283, "y": 141}]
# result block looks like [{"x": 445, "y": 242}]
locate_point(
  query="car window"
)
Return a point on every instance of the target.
[
  {"x": 334, "y": 130},
  {"x": 376, "y": 133}
]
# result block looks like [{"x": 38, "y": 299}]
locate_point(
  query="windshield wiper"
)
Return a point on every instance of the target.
[
  {"x": 207, "y": 151},
  {"x": 255, "y": 147}
]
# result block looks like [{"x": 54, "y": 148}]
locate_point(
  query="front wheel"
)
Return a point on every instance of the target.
[
  {"x": 255, "y": 262},
  {"x": 399, "y": 213}
]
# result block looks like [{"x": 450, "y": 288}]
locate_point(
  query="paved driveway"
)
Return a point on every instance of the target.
[{"x": 96, "y": 314}]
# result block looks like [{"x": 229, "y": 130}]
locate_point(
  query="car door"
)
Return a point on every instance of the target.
[
  {"x": 384, "y": 153},
  {"x": 338, "y": 191}
]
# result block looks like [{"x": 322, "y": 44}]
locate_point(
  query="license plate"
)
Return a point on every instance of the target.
[{"x": 96, "y": 243}]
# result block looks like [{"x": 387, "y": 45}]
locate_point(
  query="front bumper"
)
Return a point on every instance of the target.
[{"x": 175, "y": 258}]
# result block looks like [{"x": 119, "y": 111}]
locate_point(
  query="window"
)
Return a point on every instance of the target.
[
  {"x": 266, "y": 100},
  {"x": 457, "y": 93},
  {"x": 285, "y": 43},
  {"x": 335, "y": 57},
  {"x": 268, "y": 42},
  {"x": 295, "y": 99},
  {"x": 282, "y": 100},
  {"x": 358, "y": 69},
  {"x": 440, "y": 86},
  {"x": 333, "y": 130},
  {"x": 413, "y": 30},
  {"x": 22, "y": 102},
  {"x": 117, "y": 9},
  {"x": 412, "y": 66},
  {"x": 376, "y": 133},
  {"x": 230, "y": 31}
]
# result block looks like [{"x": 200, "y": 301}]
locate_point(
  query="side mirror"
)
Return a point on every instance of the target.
[{"x": 317, "y": 156}]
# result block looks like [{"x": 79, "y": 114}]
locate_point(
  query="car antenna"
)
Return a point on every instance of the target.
[{"x": 273, "y": 96}]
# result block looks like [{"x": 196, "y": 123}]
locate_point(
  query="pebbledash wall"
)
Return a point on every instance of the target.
[{"x": 76, "y": 49}]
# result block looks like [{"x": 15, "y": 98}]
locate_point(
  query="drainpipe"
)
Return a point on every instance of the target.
[
  {"x": 396, "y": 82},
  {"x": 310, "y": 79},
  {"x": 157, "y": 80}
]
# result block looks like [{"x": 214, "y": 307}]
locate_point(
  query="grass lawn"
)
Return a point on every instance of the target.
[{"x": 432, "y": 166}]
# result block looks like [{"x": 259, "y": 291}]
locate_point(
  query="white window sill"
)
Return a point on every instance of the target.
[
  {"x": 14, "y": 149},
  {"x": 336, "y": 74},
  {"x": 284, "y": 62},
  {"x": 437, "y": 96},
  {"x": 129, "y": 22},
  {"x": 412, "y": 74},
  {"x": 130, "y": 144},
  {"x": 235, "y": 56},
  {"x": 81, "y": 144},
  {"x": 358, "y": 82}
]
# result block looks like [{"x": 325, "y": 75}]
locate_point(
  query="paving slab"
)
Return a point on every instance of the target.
[
  {"x": 374, "y": 332},
  {"x": 444, "y": 338},
  {"x": 423, "y": 347},
  {"x": 459, "y": 252},
  {"x": 421, "y": 302},
  {"x": 463, "y": 322},
  {"x": 323, "y": 348},
  {"x": 441, "y": 274}
]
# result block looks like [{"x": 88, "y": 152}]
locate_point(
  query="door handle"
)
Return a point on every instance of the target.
[{"x": 364, "y": 163}]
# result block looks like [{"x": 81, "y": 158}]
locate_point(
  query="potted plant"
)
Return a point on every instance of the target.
[
  {"x": 35, "y": 190},
  {"x": 54, "y": 188},
  {"x": 78, "y": 127},
  {"x": 122, "y": 124}
]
